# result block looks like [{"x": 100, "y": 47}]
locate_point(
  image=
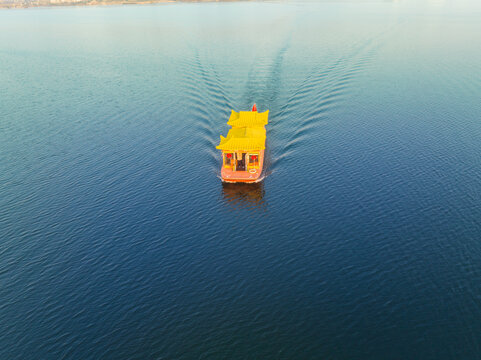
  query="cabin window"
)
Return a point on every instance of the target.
[
  {"x": 254, "y": 160},
  {"x": 228, "y": 158}
]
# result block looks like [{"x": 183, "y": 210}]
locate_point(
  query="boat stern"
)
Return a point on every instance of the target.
[
  {"x": 230, "y": 176},
  {"x": 242, "y": 166}
]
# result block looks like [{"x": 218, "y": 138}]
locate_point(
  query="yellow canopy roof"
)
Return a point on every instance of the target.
[
  {"x": 246, "y": 138},
  {"x": 248, "y": 118}
]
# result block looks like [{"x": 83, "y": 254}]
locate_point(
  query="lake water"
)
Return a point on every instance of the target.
[{"x": 119, "y": 241}]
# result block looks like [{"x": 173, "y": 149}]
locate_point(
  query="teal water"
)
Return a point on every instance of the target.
[{"x": 119, "y": 241}]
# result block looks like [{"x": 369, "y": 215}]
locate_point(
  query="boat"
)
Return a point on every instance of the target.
[{"x": 244, "y": 146}]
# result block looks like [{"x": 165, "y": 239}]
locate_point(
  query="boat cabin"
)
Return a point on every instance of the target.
[{"x": 241, "y": 161}]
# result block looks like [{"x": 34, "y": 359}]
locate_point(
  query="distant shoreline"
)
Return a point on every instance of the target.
[{"x": 57, "y": 3}]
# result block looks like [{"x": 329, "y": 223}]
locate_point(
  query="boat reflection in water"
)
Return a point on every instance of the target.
[{"x": 241, "y": 195}]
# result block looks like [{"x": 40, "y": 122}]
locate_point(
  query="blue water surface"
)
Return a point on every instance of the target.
[{"x": 119, "y": 241}]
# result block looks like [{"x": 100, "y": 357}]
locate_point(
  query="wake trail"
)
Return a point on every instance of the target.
[
  {"x": 321, "y": 91},
  {"x": 207, "y": 99}
]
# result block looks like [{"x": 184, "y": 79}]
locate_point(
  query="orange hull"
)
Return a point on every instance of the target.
[{"x": 249, "y": 176}]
